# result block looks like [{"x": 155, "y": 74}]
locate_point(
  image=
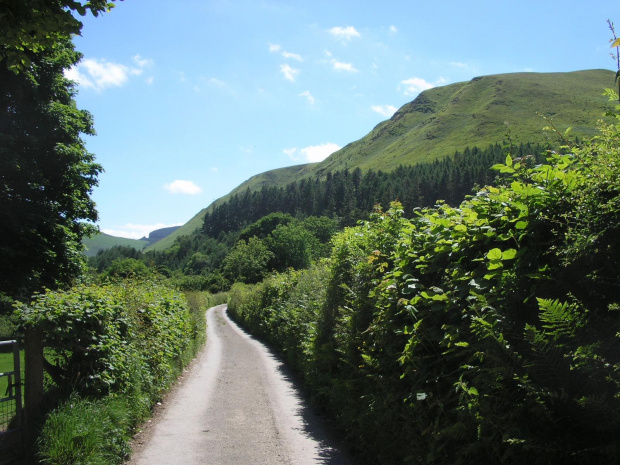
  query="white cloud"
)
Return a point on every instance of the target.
[
  {"x": 384, "y": 110},
  {"x": 274, "y": 48},
  {"x": 313, "y": 153},
  {"x": 415, "y": 85},
  {"x": 393, "y": 29},
  {"x": 459, "y": 64},
  {"x": 181, "y": 186},
  {"x": 346, "y": 33},
  {"x": 291, "y": 153},
  {"x": 99, "y": 74},
  {"x": 340, "y": 66},
  {"x": 216, "y": 82},
  {"x": 289, "y": 73},
  {"x": 293, "y": 56},
  {"x": 135, "y": 231},
  {"x": 308, "y": 96},
  {"x": 205, "y": 83},
  {"x": 142, "y": 62}
]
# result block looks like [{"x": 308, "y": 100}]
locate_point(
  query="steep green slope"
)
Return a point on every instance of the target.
[
  {"x": 479, "y": 113},
  {"x": 105, "y": 241},
  {"x": 274, "y": 177},
  {"x": 445, "y": 119}
]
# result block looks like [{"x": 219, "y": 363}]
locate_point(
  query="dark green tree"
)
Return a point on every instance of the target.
[
  {"x": 46, "y": 174},
  {"x": 292, "y": 246},
  {"x": 264, "y": 226},
  {"x": 32, "y": 26},
  {"x": 247, "y": 261}
]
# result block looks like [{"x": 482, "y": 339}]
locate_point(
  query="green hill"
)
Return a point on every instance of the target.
[
  {"x": 445, "y": 119},
  {"x": 104, "y": 241},
  {"x": 278, "y": 177}
]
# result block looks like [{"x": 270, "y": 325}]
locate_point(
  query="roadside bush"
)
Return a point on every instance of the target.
[
  {"x": 114, "y": 349},
  {"x": 283, "y": 310},
  {"x": 107, "y": 338},
  {"x": 487, "y": 332},
  {"x": 123, "y": 268}
]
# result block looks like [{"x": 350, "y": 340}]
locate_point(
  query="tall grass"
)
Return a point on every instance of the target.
[
  {"x": 91, "y": 430},
  {"x": 95, "y": 432}
]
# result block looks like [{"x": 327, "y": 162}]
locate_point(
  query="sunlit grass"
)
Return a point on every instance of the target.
[{"x": 6, "y": 365}]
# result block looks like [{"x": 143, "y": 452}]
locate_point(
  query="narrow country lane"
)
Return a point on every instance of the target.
[{"x": 235, "y": 406}]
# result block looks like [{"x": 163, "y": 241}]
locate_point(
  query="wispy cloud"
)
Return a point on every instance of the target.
[
  {"x": 290, "y": 74},
  {"x": 415, "y": 85},
  {"x": 384, "y": 110},
  {"x": 142, "y": 62},
  {"x": 393, "y": 29},
  {"x": 181, "y": 186},
  {"x": 100, "y": 74},
  {"x": 341, "y": 66},
  {"x": 312, "y": 153},
  {"x": 204, "y": 84},
  {"x": 135, "y": 231},
  {"x": 275, "y": 48},
  {"x": 308, "y": 96},
  {"x": 291, "y": 153},
  {"x": 216, "y": 82},
  {"x": 344, "y": 33},
  {"x": 293, "y": 56},
  {"x": 458, "y": 64}
]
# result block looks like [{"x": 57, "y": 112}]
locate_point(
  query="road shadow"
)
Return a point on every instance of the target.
[{"x": 332, "y": 447}]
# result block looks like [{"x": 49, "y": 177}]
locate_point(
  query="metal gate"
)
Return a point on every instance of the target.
[{"x": 11, "y": 413}]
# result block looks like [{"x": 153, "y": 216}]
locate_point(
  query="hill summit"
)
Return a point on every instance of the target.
[{"x": 443, "y": 120}]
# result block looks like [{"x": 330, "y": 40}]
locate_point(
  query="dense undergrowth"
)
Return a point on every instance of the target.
[
  {"x": 112, "y": 351},
  {"x": 483, "y": 333}
]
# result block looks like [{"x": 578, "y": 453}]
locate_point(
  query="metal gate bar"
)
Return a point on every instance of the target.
[{"x": 11, "y": 414}]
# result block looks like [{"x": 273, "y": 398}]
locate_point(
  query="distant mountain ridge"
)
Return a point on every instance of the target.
[
  {"x": 443, "y": 120},
  {"x": 104, "y": 241},
  {"x": 159, "y": 234}
]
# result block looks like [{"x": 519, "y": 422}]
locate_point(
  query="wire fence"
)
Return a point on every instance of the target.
[{"x": 10, "y": 399}]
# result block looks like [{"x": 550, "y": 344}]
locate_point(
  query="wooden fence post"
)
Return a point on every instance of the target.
[
  {"x": 19, "y": 412},
  {"x": 33, "y": 388}
]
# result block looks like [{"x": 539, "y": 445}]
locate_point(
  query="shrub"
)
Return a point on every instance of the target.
[
  {"x": 486, "y": 332},
  {"x": 117, "y": 348}
]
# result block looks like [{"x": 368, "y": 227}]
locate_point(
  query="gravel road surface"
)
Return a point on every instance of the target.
[{"x": 236, "y": 405}]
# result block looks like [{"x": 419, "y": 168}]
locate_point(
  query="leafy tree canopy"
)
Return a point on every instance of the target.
[
  {"x": 247, "y": 261},
  {"x": 30, "y": 26},
  {"x": 46, "y": 174},
  {"x": 264, "y": 226}
]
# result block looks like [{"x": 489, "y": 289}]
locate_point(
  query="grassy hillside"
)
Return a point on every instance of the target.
[
  {"x": 105, "y": 241},
  {"x": 277, "y": 177},
  {"x": 445, "y": 119},
  {"x": 479, "y": 113}
]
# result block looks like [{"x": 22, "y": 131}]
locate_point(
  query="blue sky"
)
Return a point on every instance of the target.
[{"x": 191, "y": 98}]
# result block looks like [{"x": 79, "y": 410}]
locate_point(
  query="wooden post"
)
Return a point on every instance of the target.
[
  {"x": 19, "y": 413},
  {"x": 33, "y": 394}
]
